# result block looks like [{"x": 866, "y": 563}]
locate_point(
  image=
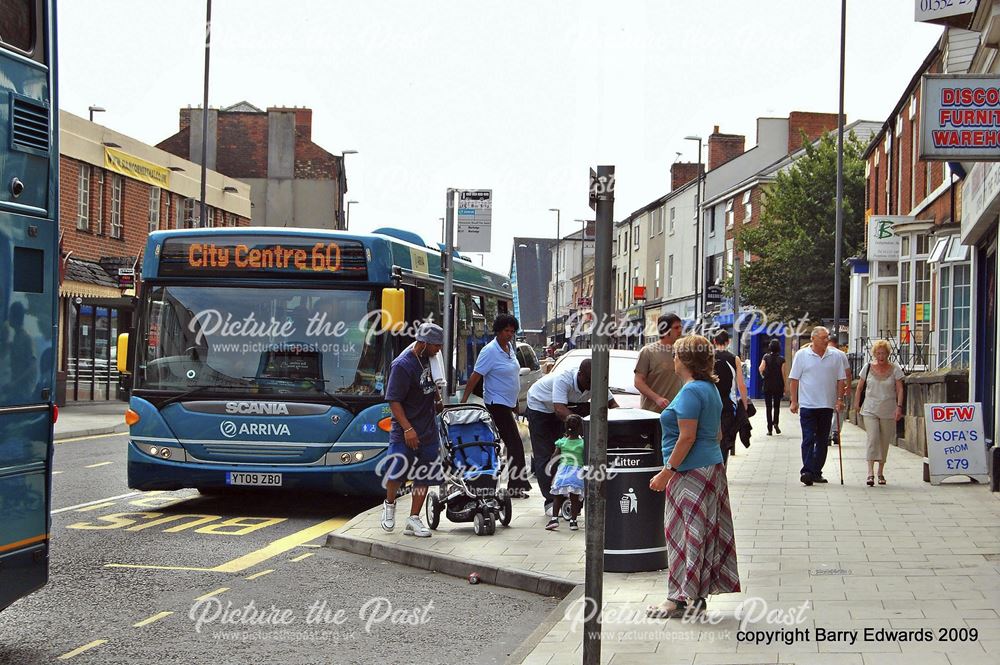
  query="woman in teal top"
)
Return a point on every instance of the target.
[{"x": 701, "y": 549}]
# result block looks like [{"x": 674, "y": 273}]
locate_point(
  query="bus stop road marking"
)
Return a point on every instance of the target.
[
  {"x": 94, "y": 466},
  {"x": 217, "y": 592},
  {"x": 260, "y": 574},
  {"x": 79, "y": 650},
  {"x": 280, "y": 546},
  {"x": 152, "y": 619},
  {"x": 91, "y": 503},
  {"x": 302, "y": 556}
]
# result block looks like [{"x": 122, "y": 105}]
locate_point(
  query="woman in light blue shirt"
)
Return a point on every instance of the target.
[
  {"x": 500, "y": 372},
  {"x": 701, "y": 548}
]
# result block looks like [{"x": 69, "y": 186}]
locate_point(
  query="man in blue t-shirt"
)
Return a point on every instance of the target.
[{"x": 414, "y": 446}]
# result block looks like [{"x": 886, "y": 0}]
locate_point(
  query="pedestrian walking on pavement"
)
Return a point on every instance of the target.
[
  {"x": 879, "y": 401},
  {"x": 549, "y": 401},
  {"x": 414, "y": 443},
  {"x": 500, "y": 372},
  {"x": 568, "y": 481},
  {"x": 816, "y": 381},
  {"x": 835, "y": 428},
  {"x": 733, "y": 392},
  {"x": 698, "y": 521},
  {"x": 774, "y": 384},
  {"x": 655, "y": 378}
]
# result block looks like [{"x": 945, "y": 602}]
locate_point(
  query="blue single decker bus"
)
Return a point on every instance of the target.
[
  {"x": 29, "y": 283},
  {"x": 259, "y": 356}
]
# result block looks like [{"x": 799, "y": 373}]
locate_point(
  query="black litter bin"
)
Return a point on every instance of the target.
[{"x": 634, "y": 540}]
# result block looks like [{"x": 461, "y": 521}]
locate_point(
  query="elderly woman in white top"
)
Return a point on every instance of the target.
[{"x": 881, "y": 390}]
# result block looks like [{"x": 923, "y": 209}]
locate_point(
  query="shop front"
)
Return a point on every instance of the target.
[{"x": 92, "y": 311}]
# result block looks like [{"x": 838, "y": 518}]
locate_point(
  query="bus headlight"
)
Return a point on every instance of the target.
[
  {"x": 165, "y": 453},
  {"x": 345, "y": 458},
  {"x": 154, "y": 451},
  {"x": 358, "y": 456}
]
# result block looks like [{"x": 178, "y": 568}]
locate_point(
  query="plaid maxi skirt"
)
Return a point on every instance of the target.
[{"x": 701, "y": 549}]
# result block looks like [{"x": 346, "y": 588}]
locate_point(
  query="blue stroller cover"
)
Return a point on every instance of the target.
[{"x": 472, "y": 441}]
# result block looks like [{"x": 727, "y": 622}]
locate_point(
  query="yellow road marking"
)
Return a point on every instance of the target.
[
  {"x": 96, "y": 507},
  {"x": 280, "y": 546},
  {"x": 152, "y": 619},
  {"x": 94, "y": 466},
  {"x": 140, "y": 566},
  {"x": 213, "y": 593},
  {"x": 260, "y": 574},
  {"x": 303, "y": 556},
  {"x": 79, "y": 650},
  {"x": 90, "y": 503}
]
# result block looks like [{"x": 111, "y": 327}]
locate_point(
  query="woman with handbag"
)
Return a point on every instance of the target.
[
  {"x": 879, "y": 400},
  {"x": 732, "y": 390}
]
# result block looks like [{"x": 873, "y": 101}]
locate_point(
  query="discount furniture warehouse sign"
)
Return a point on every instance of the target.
[
  {"x": 955, "y": 443},
  {"x": 960, "y": 117}
]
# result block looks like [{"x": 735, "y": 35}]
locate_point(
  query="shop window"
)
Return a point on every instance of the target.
[
  {"x": 914, "y": 301},
  {"x": 954, "y": 297}
]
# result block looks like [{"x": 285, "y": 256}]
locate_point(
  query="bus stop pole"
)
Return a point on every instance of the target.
[
  {"x": 449, "y": 287},
  {"x": 598, "y": 443}
]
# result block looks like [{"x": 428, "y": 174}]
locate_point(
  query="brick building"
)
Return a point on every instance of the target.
[
  {"x": 293, "y": 181},
  {"x": 113, "y": 191}
]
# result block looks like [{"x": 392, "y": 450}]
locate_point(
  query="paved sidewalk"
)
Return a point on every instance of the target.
[
  {"x": 90, "y": 419},
  {"x": 902, "y": 557}
]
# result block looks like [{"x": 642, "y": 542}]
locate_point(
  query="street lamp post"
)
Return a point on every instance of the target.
[
  {"x": 555, "y": 333},
  {"x": 347, "y": 222},
  {"x": 698, "y": 305},
  {"x": 95, "y": 109},
  {"x": 343, "y": 178}
]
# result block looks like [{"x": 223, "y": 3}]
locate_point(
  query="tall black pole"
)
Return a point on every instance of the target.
[
  {"x": 447, "y": 263},
  {"x": 203, "y": 212},
  {"x": 598, "y": 442},
  {"x": 839, "y": 234}
]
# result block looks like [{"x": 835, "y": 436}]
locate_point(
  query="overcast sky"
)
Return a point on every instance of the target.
[{"x": 521, "y": 97}]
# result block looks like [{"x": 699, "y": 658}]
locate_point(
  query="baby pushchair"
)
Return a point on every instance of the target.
[{"x": 473, "y": 466}]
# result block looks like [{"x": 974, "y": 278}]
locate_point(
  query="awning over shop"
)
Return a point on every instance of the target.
[{"x": 72, "y": 289}]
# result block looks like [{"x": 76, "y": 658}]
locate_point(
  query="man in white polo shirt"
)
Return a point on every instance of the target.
[
  {"x": 549, "y": 401},
  {"x": 816, "y": 382}
]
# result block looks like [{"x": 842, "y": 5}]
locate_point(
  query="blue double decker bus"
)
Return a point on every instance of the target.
[
  {"x": 260, "y": 355},
  {"x": 29, "y": 233}
]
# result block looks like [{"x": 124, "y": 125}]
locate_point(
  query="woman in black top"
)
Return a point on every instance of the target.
[
  {"x": 732, "y": 390},
  {"x": 774, "y": 383}
]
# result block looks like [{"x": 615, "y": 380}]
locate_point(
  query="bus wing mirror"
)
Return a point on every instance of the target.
[
  {"x": 393, "y": 309},
  {"x": 123, "y": 353}
]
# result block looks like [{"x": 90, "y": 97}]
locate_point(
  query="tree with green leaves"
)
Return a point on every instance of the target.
[{"x": 791, "y": 274}]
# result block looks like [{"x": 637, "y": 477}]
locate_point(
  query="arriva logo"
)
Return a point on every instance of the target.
[
  {"x": 230, "y": 429},
  {"x": 257, "y": 408}
]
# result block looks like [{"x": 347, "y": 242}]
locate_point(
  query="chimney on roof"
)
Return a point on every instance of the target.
[
  {"x": 724, "y": 147},
  {"x": 681, "y": 173},
  {"x": 813, "y": 124},
  {"x": 185, "y": 117},
  {"x": 303, "y": 118}
]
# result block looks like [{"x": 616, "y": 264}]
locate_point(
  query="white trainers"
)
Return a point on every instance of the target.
[
  {"x": 414, "y": 527},
  {"x": 388, "y": 516}
]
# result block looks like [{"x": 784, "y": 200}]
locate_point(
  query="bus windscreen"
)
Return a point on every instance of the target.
[{"x": 289, "y": 341}]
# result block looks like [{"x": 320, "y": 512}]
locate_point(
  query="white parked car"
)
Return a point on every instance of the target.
[
  {"x": 531, "y": 371},
  {"x": 621, "y": 373}
]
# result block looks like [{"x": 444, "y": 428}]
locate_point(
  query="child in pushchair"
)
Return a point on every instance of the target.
[{"x": 473, "y": 468}]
